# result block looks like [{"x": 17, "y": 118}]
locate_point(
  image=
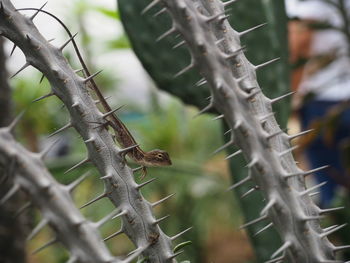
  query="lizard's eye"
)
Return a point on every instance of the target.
[{"x": 159, "y": 156}]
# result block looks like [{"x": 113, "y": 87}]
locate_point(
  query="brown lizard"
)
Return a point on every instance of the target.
[{"x": 123, "y": 136}]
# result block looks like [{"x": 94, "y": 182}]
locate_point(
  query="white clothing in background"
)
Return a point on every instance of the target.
[{"x": 333, "y": 81}]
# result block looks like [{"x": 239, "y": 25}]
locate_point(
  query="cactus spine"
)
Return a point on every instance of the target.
[{"x": 216, "y": 51}]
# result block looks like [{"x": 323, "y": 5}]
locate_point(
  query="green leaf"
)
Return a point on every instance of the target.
[
  {"x": 120, "y": 43},
  {"x": 111, "y": 13},
  {"x": 181, "y": 245}
]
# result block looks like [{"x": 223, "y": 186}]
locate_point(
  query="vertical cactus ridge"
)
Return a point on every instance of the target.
[
  {"x": 217, "y": 52},
  {"x": 138, "y": 221}
]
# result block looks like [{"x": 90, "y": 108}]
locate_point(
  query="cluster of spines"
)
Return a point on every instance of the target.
[
  {"x": 216, "y": 50},
  {"x": 28, "y": 173},
  {"x": 138, "y": 222}
]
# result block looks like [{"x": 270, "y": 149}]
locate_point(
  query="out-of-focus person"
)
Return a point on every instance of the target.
[{"x": 320, "y": 57}]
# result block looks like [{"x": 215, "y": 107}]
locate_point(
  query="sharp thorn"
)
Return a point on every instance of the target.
[
  {"x": 181, "y": 43},
  {"x": 162, "y": 200},
  {"x": 114, "y": 235},
  {"x": 161, "y": 11},
  {"x": 253, "y": 162},
  {"x": 282, "y": 97},
  {"x": 38, "y": 11},
  {"x": 148, "y": 7},
  {"x": 104, "y": 220},
  {"x": 13, "y": 190},
  {"x": 267, "y": 207},
  {"x": 329, "y": 210},
  {"x": 112, "y": 111},
  {"x": 183, "y": 71},
  {"x": 14, "y": 123},
  {"x": 44, "y": 97},
  {"x": 251, "y": 29},
  {"x": 228, "y": 131},
  {"x": 134, "y": 254},
  {"x": 291, "y": 137},
  {"x": 180, "y": 234},
  {"x": 156, "y": 222},
  {"x": 235, "y": 53},
  {"x": 212, "y": 18},
  {"x": 199, "y": 82},
  {"x": 248, "y": 178},
  {"x": 313, "y": 194},
  {"x": 253, "y": 221},
  {"x": 285, "y": 246},
  {"x": 65, "y": 127},
  {"x": 207, "y": 108},
  {"x": 124, "y": 212},
  {"x": 263, "y": 229},
  {"x": 167, "y": 33},
  {"x": 92, "y": 76},
  {"x": 233, "y": 154},
  {"x": 329, "y": 228},
  {"x": 37, "y": 229},
  {"x": 42, "y": 78},
  {"x": 290, "y": 150},
  {"x": 249, "y": 192},
  {"x": 175, "y": 255},
  {"x": 307, "y": 172},
  {"x": 51, "y": 242},
  {"x": 227, "y": 3},
  {"x": 22, "y": 209},
  {"x": 94, "y": 200},
  {"x": 218, "y": 117},
  {"x": 108, "y": 176},
  {"x": 86, "y": 160},
  {"x": 228, "y": 144},
  {"x": 90, "y": 140},
  {"x": 336, "y": 249},
  {"x": 13, "y": 49},
  {"x": 77, "y": 182},
  {"x": 307, "y": 191},
  {"x": 325, "y": 234},
  {"x": 145, "y": 183},
  {"x": 68, "y": 41},
  {"x": 266, "y": 63},
  {"x": 20, "y": 70},
  {"x": 127, "y": 149}
]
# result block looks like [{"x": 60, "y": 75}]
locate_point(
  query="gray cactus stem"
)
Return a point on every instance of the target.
[
  {"x": 138, "y": 219},
  {"x": 77, "y": 234},
  {"x": 248, "y": 112}
]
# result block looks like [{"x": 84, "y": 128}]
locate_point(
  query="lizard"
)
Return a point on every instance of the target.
[{"x": 122, "y": 135}]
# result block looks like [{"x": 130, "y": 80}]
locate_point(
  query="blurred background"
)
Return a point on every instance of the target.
[{"x": 160, "y": 114}]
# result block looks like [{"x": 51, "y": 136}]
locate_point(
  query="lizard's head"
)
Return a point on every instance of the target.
[{"x": 157, "y": 158}]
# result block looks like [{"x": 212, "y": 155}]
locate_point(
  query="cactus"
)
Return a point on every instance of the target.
[
  {"x": 217, "y": 53},
  {"x": 157, "y": 58},
  {"x": 138, "y": 222}
]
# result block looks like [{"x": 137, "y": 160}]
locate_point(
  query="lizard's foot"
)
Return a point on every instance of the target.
[{"x": 143, "y": 173}]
